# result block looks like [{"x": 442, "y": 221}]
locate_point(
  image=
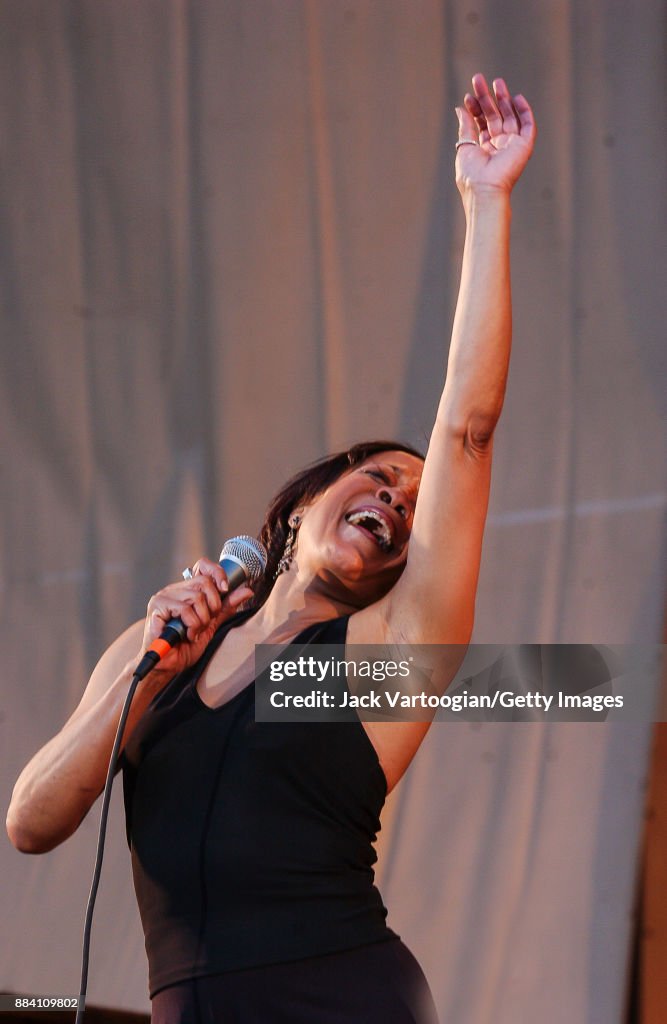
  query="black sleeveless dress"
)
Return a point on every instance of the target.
[{"x": 252, "y": 857}]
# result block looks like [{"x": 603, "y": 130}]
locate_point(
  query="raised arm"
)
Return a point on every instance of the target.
[{"x": 434, "y": 600}]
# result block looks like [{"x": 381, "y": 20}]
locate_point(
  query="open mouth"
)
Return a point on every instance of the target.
[{"x": 375, "y": 524}]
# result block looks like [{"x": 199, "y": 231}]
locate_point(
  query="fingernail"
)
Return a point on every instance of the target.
[{"x": 458, "y": 113}]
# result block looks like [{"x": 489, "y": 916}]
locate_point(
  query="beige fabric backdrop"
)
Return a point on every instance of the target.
[{"x": 230, "y": 242}]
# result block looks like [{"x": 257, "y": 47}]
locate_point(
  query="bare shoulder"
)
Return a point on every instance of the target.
[
  {"x": 397, "y": 618},
  {"x": 395, "y": 743},
  {"x": 369, "y": 625},
  {"x": 111, "y": 664}
]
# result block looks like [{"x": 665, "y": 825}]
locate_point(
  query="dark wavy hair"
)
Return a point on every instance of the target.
[{"x": 302, "y": 489}]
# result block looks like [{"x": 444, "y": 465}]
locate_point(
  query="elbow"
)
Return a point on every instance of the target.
[
  {"x": 25, "y": 838},
  {"x": 480, "y": 428},
  {"x": 481, "y": 433},
  {"x": 20, "y": 838},
  {"x": 475, "y": 430}
]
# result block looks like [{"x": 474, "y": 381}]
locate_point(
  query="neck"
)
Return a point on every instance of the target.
[{"x": 296, "y": 602}]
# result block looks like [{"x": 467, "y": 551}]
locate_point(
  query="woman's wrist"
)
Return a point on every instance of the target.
[
  {"x": 480, "y": 200},
  {"x": 147, "y": 688}
]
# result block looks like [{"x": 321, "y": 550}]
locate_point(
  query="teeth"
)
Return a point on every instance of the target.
[{"x": 379, "y": 527}]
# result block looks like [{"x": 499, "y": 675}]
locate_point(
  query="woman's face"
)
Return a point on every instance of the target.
[{"x": 354, "y": 536}]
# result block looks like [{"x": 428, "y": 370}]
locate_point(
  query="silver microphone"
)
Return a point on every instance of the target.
[{"x": 244, "y": 560}]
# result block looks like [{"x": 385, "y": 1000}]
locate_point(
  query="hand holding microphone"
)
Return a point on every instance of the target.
[{"x": 193, "y": 610}]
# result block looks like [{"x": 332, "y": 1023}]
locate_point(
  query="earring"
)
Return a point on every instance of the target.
[{"x": 288, "y": 553}]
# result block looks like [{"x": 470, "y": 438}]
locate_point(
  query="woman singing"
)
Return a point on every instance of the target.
[{"x": 252, "y": 842}]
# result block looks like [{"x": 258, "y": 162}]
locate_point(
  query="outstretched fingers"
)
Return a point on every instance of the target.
[
  {"x": 500, "y": 113},
  {"x": 505, "y": 130}
]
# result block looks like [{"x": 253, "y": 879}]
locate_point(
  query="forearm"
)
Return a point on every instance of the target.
[
  {"x": 59, "y": 785},
  {"x": 482, "y": 331}
]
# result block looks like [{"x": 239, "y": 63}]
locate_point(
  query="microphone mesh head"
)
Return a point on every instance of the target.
[{"x": 250, "y": 552}]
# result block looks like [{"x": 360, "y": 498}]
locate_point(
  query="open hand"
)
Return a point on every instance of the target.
[{"x": 504, "y": 129}]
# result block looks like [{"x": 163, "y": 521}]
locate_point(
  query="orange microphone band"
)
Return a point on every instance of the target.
[
  {"x": 173, "y": 633},
  {"x": 160, "y": 647}
]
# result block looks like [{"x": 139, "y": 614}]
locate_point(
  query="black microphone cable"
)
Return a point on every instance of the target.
[
  {"x": 173, "y": 633},
  {"x": 80, "y": 1010},
  {"x": 243, "y": 558}
]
